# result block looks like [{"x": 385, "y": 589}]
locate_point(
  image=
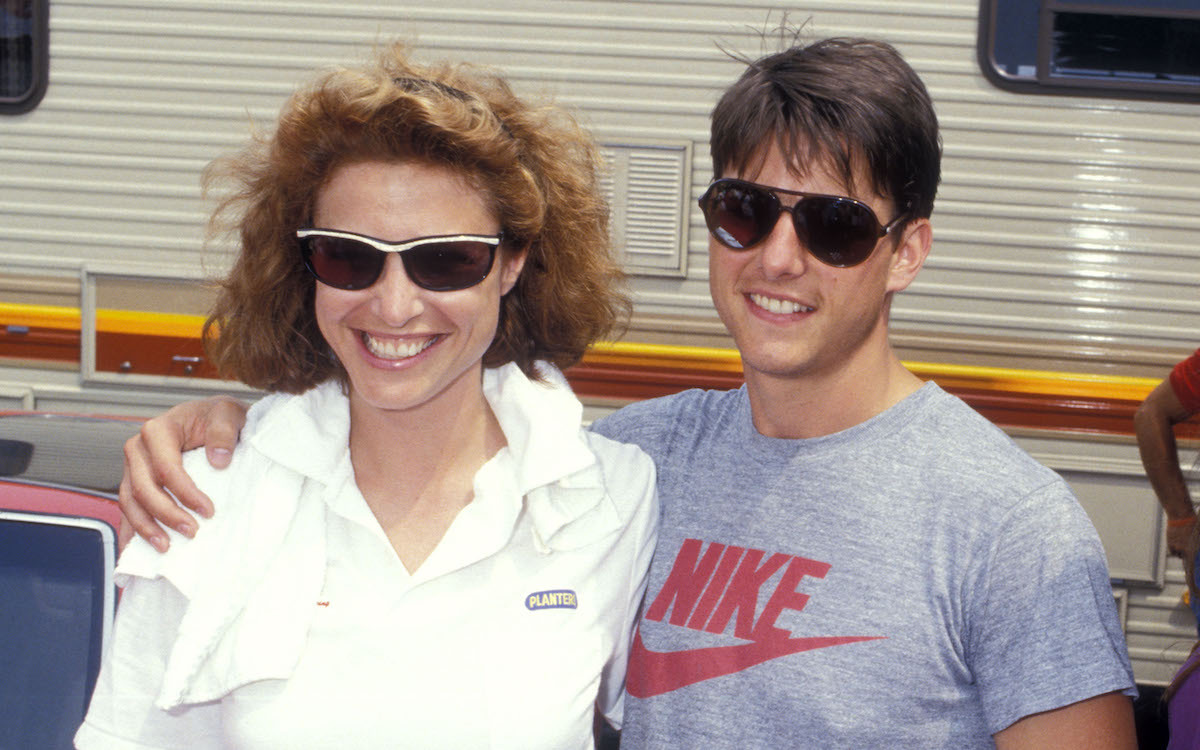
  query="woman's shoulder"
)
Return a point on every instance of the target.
[
  {"x": 247, "y": 458},
  {"x": 256, "y": 494}
]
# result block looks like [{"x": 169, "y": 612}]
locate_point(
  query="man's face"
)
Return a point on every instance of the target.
[{"x": 792, "y": 316}]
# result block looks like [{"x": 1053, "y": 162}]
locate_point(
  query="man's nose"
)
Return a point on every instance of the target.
[{"x": 781, "y": 253}]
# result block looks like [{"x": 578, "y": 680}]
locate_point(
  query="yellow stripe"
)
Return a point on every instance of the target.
[
  {"x": 1046, "y": 382},
  {"x": 635, "y": 355},
  {"x": 108, "y": 321},
  {"x": 1013, "y": 380},
  {"x": 149, "y": 324},
  {"x": 663, "y": 355},
  {"x": 39, "y": 316}
]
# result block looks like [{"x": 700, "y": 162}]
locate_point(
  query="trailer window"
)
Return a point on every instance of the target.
[
  {"x": 1135, "y": 48},
  {"x": 24, "y": 57}
]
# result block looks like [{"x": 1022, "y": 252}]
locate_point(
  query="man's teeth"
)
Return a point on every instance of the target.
[
  {"x": 396, "y": 348},
  {"x": 778, "y": 306}
]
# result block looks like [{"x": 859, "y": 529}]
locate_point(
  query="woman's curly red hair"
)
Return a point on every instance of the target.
[{"x": 539, "y": 168}]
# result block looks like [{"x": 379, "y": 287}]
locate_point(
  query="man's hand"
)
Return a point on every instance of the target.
[{"x": 155, "y": 485}]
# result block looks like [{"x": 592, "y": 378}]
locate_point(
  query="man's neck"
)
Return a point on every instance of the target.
[{"x": 814, "y": 405}]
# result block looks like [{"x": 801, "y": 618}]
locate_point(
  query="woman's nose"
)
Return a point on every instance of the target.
[{"x": 396, "y": 298}]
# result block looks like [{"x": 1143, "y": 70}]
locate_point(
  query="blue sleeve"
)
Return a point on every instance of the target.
[
  {"x": 647, "y": 424},
  {"x": 1044, "y": 631}
]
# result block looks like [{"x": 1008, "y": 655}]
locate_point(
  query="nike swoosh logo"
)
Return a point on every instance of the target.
[{"x": 656, "y": 672}]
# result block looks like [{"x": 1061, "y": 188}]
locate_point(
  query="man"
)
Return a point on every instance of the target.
[
  {"x": 848, "y": 557},
  {"x": 1172, "y": 401}
]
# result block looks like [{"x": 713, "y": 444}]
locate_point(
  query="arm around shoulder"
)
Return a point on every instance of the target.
[{"x": 155, "y": 485}]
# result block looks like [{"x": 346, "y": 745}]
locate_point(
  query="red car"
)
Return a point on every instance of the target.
[{"x": 58, "y": 521}]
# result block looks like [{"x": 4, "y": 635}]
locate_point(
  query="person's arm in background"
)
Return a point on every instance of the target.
[
  {"x": 1154, "y": 423},
  {"x": 155, "y": 486}
]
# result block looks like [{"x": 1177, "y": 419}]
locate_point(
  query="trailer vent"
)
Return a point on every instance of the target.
[{"x": 647, "y": 188}]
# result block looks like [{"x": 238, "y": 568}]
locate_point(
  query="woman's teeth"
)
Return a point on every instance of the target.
[{"x": 396, "y": 348}]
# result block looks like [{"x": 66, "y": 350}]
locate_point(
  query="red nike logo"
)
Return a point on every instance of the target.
[{"x": 654, "y": 673}]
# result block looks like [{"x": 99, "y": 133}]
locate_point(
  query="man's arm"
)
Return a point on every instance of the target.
[
  {"x": 1104, "y": 722},
  {"x": 1154, "y": 423},
  {"x": 155, "y": 485}
]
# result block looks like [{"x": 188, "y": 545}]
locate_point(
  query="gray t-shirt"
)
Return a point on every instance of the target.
[{"x": 915, "y": 581}]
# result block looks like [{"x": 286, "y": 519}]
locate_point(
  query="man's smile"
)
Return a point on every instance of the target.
[{"x": 779, "y": 306}]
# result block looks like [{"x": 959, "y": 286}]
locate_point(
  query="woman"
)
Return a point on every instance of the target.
[{"x": 415, "y": 544}]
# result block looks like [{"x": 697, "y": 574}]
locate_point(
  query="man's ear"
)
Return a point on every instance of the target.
[
  {"x": 909, "y": 256},
  {"x": 511, "y": 263}
]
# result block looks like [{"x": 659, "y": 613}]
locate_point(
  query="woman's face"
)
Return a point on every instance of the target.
[{"x": 402, "y": 346}]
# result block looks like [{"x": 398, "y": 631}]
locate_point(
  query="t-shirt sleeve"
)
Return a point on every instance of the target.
[
  {"x": 1044, "y": 631},
  {"x": 122, "y": 714},
  {"x": 1185, "y": 381},
  {"x": 625, "y": 425},
  {"x": 651, "y": 425}
]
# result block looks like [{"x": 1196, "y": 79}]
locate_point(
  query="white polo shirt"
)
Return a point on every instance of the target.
[{"x": 289, "y": 621}]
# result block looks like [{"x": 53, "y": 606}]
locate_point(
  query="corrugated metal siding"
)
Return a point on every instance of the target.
[{"x": 1059, "y": 218}]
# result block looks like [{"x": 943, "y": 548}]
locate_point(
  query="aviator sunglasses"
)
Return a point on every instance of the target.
[
  {"x": 442, "y": 263},
  {"x": 838, "y": 231}
]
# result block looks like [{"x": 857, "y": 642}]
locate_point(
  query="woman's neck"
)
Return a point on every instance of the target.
[{"x": 416, "y": 468}]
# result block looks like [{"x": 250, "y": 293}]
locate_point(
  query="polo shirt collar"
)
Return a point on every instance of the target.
[{"x": 552, "y": 467}]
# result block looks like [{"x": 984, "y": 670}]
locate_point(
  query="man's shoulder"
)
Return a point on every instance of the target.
[
  {"x": 947, "y": 418},
  {"x": 654, "y": 419},
  {"x": 971, "y": 448}
]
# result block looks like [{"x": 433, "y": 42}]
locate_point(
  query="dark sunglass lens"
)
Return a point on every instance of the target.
[
  {"x": 739, "y": 216},
  {"x": 342, "y": 262},
  {"x": 838, "y": 232},
  {"x": 446, "y": 266}
]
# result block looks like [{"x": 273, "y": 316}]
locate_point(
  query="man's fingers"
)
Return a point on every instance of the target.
[
  {"x": 155, "y": 484},
  {"x": 154, "y": 464},
  {"x": 125, "y": 532},
  {"x": 144, "y": 501},
  {"x": 219, "y": 428},
  {"x": 136, "y": 520}
]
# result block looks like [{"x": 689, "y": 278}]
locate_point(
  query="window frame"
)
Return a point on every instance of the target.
[
  {"x": 40, "y": 61},
  {"x": 1046, "y": 82}
]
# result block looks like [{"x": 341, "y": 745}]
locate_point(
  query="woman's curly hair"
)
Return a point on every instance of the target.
[{"x": 537, "y": 166}]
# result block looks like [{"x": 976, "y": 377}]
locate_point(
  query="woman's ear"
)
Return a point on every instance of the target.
[
  {"x": 909, "y": 256},
  {"x": 511, "y": 264}
]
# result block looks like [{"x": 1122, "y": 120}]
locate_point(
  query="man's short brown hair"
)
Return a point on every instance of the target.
[{"x": 841, "y": 103}]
